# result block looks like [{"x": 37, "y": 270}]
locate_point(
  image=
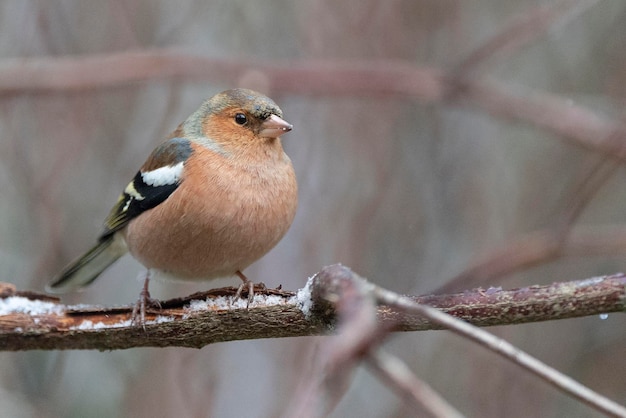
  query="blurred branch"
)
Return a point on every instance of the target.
[
  {"x": 540, "y": 247},
  {"x": 555, "y": 242},
  {"x": 399, "y": 79},
  {"x": 522, "y": 30},
  {"x": 27, "y": 323},
  {"x": 553, "y": 113},
  {"x": 319, "y": 77},
  {"x": 399, "y": 377},
  {"x": 358, "y": 336}
]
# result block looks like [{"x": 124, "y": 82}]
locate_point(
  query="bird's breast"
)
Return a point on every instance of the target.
[{"x": 224, "y": 216}]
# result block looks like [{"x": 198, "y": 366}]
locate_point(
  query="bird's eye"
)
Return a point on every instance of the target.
[{"x": 240, "y": 119}]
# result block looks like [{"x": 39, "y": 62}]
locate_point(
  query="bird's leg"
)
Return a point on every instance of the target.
[
  {"x": 139, "y": 310},
  {"x": 246, "y": 283}
]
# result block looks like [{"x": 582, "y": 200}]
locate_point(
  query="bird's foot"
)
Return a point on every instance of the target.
[
  {"x": 248, "y": 286},
  {"x": 144, "y": 302}
]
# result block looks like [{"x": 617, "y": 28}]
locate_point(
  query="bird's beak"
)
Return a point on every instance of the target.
[{"x": 273, "y": 127}]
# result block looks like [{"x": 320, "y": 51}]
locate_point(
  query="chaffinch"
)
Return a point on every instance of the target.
[{"x": 208, "y": 202}]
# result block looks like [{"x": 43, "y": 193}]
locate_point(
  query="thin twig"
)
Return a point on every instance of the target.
[
  {"x": 398, "y": 376},
  {"x": 583, "y": 193},
  {"x": 522, "y": 30},
  {"x": 571, "y": 122},
  {"x": 538, "y": 247}
]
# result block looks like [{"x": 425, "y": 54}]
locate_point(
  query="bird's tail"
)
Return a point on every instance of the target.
[{"x": 88, "y": 267}]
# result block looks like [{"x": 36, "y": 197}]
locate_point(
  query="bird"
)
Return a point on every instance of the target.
[{"x": 210, "y": 200}]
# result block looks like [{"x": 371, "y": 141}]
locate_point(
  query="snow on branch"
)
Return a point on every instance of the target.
[{"x": 30, "y": 321}]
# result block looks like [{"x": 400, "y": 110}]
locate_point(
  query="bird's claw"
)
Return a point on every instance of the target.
[
  {"x": 144, "y": 302},
  {"x": 250, "y": 285}
]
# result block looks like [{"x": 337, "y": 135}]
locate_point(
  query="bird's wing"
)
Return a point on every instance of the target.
[{"x": 154, "y": 182}]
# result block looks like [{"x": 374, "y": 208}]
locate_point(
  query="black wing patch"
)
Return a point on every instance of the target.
[{"x": 155, "y": 182}]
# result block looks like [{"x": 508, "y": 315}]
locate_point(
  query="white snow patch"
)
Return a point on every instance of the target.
[
  {"x": 83, "y": 307},
  {"x": 88, "y": 325},
  {"x": 222, "y": 303},
  {"x": 161, "y": 319},
  {"x": 18, "y": 304},
  {"x": 303, "y": 298},
  {"x": 591, "y": 281}
]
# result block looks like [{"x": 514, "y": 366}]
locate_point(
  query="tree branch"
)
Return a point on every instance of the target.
[
  {"x": 29, "y": 321},
  {"x": 337, "y": 287}
]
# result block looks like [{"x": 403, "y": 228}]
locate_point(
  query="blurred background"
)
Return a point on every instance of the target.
[{"x": 408, "y": 177}]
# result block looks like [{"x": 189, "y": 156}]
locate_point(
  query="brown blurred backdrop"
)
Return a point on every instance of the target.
[{"x": 407, "y": 189}]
